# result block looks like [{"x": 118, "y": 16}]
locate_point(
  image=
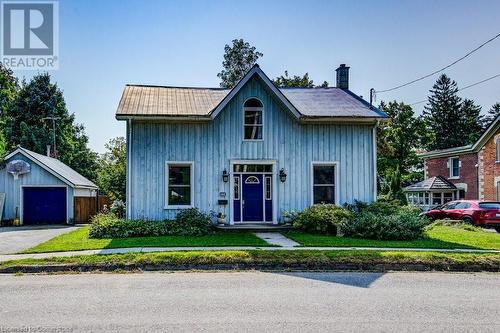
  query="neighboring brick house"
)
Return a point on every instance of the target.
[{"x": 473, "y": 169}]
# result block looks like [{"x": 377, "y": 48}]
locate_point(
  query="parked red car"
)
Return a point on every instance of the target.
[{"x": 479, "y": 213}]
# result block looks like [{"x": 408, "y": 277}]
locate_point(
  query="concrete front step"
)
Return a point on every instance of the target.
[{"x": 255, "y": 227}]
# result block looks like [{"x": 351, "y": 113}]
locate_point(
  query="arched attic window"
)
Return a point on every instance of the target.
[{"x": 252, "y": 122}]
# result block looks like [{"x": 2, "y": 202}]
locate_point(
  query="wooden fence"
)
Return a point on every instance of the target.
[{"x": 86, "y": 207}]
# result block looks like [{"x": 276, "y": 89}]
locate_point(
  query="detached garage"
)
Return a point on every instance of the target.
[{"x": 38, "y": 189}]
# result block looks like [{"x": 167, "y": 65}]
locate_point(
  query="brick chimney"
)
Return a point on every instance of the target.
[{"x": 342, "y": 77}]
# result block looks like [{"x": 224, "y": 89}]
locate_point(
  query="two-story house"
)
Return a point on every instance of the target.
[{"x": 250, "y": 152}]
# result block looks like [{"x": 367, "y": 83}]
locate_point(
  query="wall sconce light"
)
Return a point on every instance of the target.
[
  {"x": 282, "y": 175},
  {"x": 225, "y": 176}
]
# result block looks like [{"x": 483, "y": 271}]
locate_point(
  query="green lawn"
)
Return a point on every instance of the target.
[
  {"x": 439, "y": 237},
  {"x": 79, "y": 240},
  {"x": 270, "y": 259}
]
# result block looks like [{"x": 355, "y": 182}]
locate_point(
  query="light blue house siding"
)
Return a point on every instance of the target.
[
  {"x": 37, "y": 177},
  {"x": 211, "y": 146}
]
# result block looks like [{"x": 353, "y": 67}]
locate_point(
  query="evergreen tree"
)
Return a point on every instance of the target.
[
  {"x": 26, "y": 125},
  {"x": 471, "y": 122},
  {"x": 8, "y": 92},
  {"x": 443, "y": 114},
  {"x": 491, "y": 115},
  {"x": 238, "y": 59}
]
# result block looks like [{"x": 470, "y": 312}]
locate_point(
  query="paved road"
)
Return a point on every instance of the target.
[
  {"x": 16, "y": 239},
  {"x": 252, "y": 301}
]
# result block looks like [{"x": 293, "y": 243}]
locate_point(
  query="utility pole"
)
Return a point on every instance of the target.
[{"x": 53, "y": 131}]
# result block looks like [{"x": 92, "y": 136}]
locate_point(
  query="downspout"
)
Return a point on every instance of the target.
[{"x": 128, "y": 177}]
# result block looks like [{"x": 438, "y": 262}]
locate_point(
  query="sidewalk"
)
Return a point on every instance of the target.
[{"x": 7, "y": 257}]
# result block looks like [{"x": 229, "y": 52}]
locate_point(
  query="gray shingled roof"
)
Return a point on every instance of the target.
[
  {"x": 71, "y": 176},
  {"x": 140, "y": 100},
  {"x": 432, "y": 184}
]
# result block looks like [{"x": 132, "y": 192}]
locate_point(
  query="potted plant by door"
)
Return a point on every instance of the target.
[
  {"x": 221, "y": 218},
  {"x": 288, "y": 216}
]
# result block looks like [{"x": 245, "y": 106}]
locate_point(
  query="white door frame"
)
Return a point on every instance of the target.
[{"x": 274, "y": 187}]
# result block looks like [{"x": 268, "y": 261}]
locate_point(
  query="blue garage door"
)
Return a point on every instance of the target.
[{"x": 43, "y": 205}]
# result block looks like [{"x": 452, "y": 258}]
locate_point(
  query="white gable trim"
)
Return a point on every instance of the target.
[
  {"x": 255, "y": 70},
  {"x": 39, "y": 163}
]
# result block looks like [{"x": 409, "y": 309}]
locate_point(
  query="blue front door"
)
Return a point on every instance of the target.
[{"x": 253, "y": 198}]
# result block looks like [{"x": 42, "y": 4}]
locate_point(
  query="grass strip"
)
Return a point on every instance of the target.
[{"x": 255, "y": 259}]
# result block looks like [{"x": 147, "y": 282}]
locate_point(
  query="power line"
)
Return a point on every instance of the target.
[
  {"x": 441, "y": 69},
  {"x": 466, "y": 87}
]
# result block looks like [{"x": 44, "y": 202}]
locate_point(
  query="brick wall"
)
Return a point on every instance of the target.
[
  {"x": 490, "y": 169},
  {"x": 468, "y": 172}
]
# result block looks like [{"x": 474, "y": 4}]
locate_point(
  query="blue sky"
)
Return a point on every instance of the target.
[{"x": 105, "y": 44}]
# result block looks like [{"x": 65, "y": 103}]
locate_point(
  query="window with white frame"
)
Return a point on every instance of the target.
[
  {"x": 498, "y": 150},
  {"x": 252, "y": 122},
  {"x": 454, "y": 165},
  {"x": 179, "y": 184},
  {"x": 323, "y": 183}
]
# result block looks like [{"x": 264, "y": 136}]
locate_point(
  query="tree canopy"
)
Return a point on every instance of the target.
[
  {"x": 398, "y": 140},
  {"x": 296, "y": 81},
  {"x": 491, "y": 115},
  {"x": 238, "y": 59},
  {"x": 26, "y": 124},
  {"x": 454, "y": 122},
  {"x": 111, "y": 175}
]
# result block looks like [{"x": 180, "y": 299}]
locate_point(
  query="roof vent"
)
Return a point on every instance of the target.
[{"x": 343, "y": 76}]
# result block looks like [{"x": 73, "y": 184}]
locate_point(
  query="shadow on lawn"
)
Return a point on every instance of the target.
[{"x": 361, "y": 280}]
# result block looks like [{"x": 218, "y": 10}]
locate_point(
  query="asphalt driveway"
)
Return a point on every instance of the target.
[{"x": 16, "y": 239}]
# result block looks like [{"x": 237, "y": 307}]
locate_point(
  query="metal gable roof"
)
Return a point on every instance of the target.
[
  {"x": 205, "y": 103},
  {"x": 56, "y": 167}
]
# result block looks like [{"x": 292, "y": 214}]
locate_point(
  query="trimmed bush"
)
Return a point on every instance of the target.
[
  {"x": 324, "y": 219},
  {"x": 189, "y": 222},
  {"x": 384, "y": 221}
]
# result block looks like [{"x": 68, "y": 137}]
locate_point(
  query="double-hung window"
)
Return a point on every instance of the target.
[
  {"x": 454, "y": 164},
  {"x": 179, "y": 184},
  {"x": 498, "y": 150},
  {"x": 252, "y": 122},
  {"x": 323, "y": 177}
]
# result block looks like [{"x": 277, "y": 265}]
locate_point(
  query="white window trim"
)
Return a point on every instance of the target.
[
  {"x": 167, "y": 179},
  {"x": 450, "y": 167},
  {"x": 497, "y": 150},
  {"x": 253, "y": 108},
  {"x": 336, "y": 185}
]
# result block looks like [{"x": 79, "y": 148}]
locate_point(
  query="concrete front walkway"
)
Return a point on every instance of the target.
[
  {"x": 17, "y": 239},
  {"x": 275, "y": 238},
  {"x": 7, "y": 257}
]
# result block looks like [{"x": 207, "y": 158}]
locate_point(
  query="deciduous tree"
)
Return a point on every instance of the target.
[
  {"x": 296, "y": 81},
  {"x": 238, "y": 59},
  {"x": 111, "y": 175}
]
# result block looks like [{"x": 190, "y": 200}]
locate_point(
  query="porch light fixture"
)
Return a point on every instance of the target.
[
  {"x": 225, "y": 176},
  {"x": 282, "y": 175}
]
